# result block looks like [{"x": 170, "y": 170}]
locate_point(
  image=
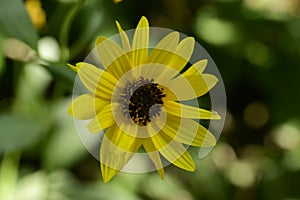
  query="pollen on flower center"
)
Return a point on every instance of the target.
[{"x": 141, "y": 101}]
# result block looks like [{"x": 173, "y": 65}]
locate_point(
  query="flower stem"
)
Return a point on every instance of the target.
[
  {"x": 65, "y": 30},
  {"x": 9, "y": 174}
]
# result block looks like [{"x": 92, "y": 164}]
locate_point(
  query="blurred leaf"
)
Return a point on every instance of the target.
[
  {"x": 48, "y": 49},
  {"x": 18, "y": 132},
  {"x": 206, "y": 176},
  {"x": 105, "y": 191},
  {"x": 15, "y": 22},
  {"x": 32, "y": 85},
  {"x": 42, "y": 185},
  {"x": 61, "y": 71},
  {"x": 18, "y": 50},
  {"x": 85, "y": 27},
  {"x": 65, "y": 29},
  {"x": 62, "y": 185},
  {"x": 32, "y": 186},
  {"x": 9, "y": 174},
  {"x": 64, "y": 139},
  {"x": 2, "y": 63}
]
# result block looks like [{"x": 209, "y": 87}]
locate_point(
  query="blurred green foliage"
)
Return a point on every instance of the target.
[{"x": 255, "y": 44}]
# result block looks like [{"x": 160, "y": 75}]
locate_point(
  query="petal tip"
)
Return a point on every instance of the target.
[
  {"x": 211, "y": 141},
  {"x": 191, "y": 168},
  {"x": 215, "y": 115},
  {"x": 107, "y": 173},
  {"x": 143, "y": 23},
  {"x": 189, "y": 41},
  {"x": 205, "y": 61},
  {"x": 106, "y": 179},
  {"x": 161, "y": 173},
  {"x": 74, "y": 68},
  {"x": 144, "y": 18},
  {"x": 119, "y": 26},
  {"x": 70, "y": 109},
  {"x": 99, "y": 40}
]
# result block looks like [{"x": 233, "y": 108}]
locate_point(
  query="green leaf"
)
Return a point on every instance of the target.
[
  {"x": 2, "y": 61},
  {"x": 85, "y": 27},
  {"x": 61, "y": 71},
  {"x": 65, "y": 29},
  {"x": 64, "y": 139},
  {"x": 18, "y": 132},
  {"x": 15, "y": 22}
]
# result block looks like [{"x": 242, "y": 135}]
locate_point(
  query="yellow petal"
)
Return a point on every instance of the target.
[
  {"x": 154, "y": 156},
  {"x": 124, "y": 38},
  {"x": 174, "y": 152},
  {"x": 97, "y": 81},
  {"x": 86, "y": 106},
  {"x": 160, "y": 73},
  {"x": 182, "y": 54},
  {"x": 181, "y": 110},
  {"x": 196, "y": 68},
  {"x": 107, "y": 172},
  {"x": 103, "y": 120},
  {"x": 170, "y": 96},
  {"x": 112, "y": 57},
  {"x": 161, "y": 52},
  {"x": 200, "y": 83},
  {"x": 116, "y": 150},
  {"x": 123, "y": 140},
  {"x": 140, "y": 43},
  {"x": 185, "y": 161},
  {"x": 188, "y": 132}
]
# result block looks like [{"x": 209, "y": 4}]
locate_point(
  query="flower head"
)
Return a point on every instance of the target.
[{"x": 136, "y": 98}]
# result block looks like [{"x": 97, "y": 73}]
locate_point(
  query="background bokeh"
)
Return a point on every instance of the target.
[{"x": 255, "y": 44}]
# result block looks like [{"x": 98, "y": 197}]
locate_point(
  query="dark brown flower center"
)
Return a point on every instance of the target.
[{"x": 142, "y": 100}]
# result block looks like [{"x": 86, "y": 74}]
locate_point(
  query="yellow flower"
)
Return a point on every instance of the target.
[{"x": 136, "y": 96}]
